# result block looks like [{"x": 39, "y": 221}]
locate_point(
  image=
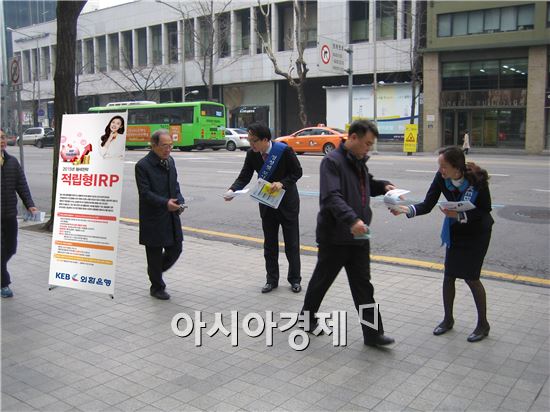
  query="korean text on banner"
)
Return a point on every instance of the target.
[{"x": 87, "y": 205}]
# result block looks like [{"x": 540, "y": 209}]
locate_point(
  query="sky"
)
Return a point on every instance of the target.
[{"x": 101, "y": 4}]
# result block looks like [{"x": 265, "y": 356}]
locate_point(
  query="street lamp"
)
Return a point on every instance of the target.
[
  {"x": 193, "y": 92},
  {"x": 37, "y": 68}
]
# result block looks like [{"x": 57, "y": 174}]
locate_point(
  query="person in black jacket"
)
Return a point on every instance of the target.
[
  {"x": 160, "y": 204},
  {"x": 284, "y": 175},
  {"x": 13, "y": 183},
  {"x": 466, "y": 234},
  {"x": 342, "y": 229}
]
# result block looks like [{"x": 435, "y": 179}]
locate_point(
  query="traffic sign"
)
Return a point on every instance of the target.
[
  {"x": 16, "y": 81},
  {"x": 410, "y": 139},
  {"x": 41, "y": 112},
  {"x": 330, "y": 55}
]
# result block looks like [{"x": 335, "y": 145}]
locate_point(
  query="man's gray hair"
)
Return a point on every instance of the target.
[{"x": 155, "y": 137}]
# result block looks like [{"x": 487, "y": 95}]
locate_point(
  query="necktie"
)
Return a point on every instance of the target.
[
  {"x": 264, "y": 156},
  {"x": 164, "y": 164}
]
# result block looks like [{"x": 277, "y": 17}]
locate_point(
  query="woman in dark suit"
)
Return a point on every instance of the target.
[{"x": 466, "y": 234}]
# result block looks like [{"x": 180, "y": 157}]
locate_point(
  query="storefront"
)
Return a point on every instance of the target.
[{"x": 488, "y": 99}]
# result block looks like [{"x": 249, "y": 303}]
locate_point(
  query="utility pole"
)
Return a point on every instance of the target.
[
  {"x": 375, "y": 79},
  {"x": 349, "y": 71}
]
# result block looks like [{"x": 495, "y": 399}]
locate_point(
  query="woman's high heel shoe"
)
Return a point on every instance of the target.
[
  {"x": 477, "y": 336},
  {"x": 443, "y": 327}
]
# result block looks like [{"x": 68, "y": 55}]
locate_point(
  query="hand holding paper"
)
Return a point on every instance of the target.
[{"x": 394, "y": 198}]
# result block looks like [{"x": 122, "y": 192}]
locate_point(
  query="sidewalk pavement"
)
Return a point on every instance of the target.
[{"x": 73, "y": 350}]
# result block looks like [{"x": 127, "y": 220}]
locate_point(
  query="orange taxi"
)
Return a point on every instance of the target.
[{"x": 320, "y": 139}]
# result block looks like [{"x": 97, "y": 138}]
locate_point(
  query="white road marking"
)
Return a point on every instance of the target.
[
  {"x": 228, "y": 171},
  {"x": 541, "y": 190},
  {"x": 420, "y": 171},
  {"x": 498, "y": 174},
  {"x": 130, "y": 162}
]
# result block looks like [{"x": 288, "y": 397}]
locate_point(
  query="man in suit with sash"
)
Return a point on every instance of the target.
[{"x": 276, "y": 163}]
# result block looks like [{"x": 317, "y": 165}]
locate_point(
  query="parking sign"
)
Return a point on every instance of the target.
[
  {"x": 330, "y": 55},
  {"x": 16, "y": 82}
]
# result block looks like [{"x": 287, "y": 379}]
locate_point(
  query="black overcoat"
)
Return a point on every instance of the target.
[
  {"x": 288, "y": 172},
  {"x": 157, "y": 226}
]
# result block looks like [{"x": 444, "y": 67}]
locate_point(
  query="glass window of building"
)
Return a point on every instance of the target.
[
  {"x": 261, "y": 26},
  {"x": 142, "y": 46},
  {"x": 455, "y": 76},
  {"x": 475, "y": 22},
  {"x": 407, "y": 19},
  {"x": 156, "y": 44},
  {"x": 243, "y": 31},
  {"x": 460, "y": 24},
  {"x": 101, "y": 54},
  {"x": 386, "y": 20},
  {"x": 26, "y": 65},
  {"x": 359, "y": 21},
  {"x": 89, "y": 60},
  {"x": 172, "y": 38},
  {"x": 444, "y": 25},
  {"x": 484, "y": 75},
  {"x": 513, "y": 73},
  {"x": 526, "y": 17},
  {"x": 114, "y": 52},
  {"x": 53, "y": 57},
  {"x": 309, "y": 23},
  {"x": 286, "y": 26},
  {"x": 205, "y": 36},
  {"x": 127, "y": 50},
  {"x": 224, "y": 34},
  {"x": 78, "y": 58},
  {"x": 189, "y": 39},
  {"x": 508, "y": 19},
  {"x": 491, "y": 20},
  {"x": 46, "y": 63}
]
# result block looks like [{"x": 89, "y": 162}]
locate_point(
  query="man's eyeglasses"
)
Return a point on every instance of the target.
[
  {"x": 166, "y": 146},
  {"x": 253, "y": 140}
]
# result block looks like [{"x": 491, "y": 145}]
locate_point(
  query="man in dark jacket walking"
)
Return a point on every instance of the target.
[
  {"x": 13, "y": 183},
  {"x": 343, "y": 229},
  {"x": 160, "y": 204}
]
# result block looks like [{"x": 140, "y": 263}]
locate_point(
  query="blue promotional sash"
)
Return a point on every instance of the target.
[
  {"x": 467, "y": 192},
  {"x": 270, "y": 164}
]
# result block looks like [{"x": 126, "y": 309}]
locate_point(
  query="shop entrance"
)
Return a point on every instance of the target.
[
  {"x": 455, "y": 124},
  {"x": 242, "y": 116}
]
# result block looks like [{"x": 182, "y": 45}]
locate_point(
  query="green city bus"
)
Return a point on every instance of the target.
[{"x": 191, "y": 124}]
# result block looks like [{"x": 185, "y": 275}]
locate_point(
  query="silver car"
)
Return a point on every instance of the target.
[
  {"x": 33, "y": 134},
  {"x": 236, "y": 138}
]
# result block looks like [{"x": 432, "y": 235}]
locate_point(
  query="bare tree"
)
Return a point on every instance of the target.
[
  {"x": 140, "y": 81},
  {"x": 213, "y": 24},
  {"x": 64, "y": 80},
  {"x": 296, "y": 72}
]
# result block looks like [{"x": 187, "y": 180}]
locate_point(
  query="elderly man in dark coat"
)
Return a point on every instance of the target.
[
  {"x": 160, "y": 204},
  {"x": 13, "y": 184}
]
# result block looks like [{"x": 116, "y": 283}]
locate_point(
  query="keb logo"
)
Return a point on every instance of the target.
[{"x": 374, "y": 308}]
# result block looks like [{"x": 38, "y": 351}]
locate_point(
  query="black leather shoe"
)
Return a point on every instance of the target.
[
  {"x": 443, "y": 327},
  {"x": 477, "y": 336},
  {"x": 296, "y": 288},
  {"x": 379, "y": 340},
  {"x": 160, "y": 294},
  {"x": 268, "y": 288}
]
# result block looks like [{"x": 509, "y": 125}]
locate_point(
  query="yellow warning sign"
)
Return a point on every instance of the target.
[{"x": 411, "y": 138}]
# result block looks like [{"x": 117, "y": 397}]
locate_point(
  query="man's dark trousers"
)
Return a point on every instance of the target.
[
  {"x": 159, "y": 260},
  {"x": 356, "y": 260},
  {"x": 9, "y": 246},
  {"x": 291, "y": 235}
]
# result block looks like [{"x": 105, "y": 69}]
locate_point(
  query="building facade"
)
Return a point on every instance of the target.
[
  {"x": 486, "y": 71},
  {"x": 164, "y": 48}
]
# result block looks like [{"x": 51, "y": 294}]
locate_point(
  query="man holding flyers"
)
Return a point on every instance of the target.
[
  {"x": 277, "y": 164},
  {"x": 160, "y": 204}
]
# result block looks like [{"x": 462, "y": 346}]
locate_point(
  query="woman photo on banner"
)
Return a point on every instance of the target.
[{"x": 112, "y": 144}]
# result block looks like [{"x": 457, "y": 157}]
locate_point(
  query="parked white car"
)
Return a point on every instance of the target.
[
  {"x": 33, "y": 134},
  {"x": 236, "y": 138}
]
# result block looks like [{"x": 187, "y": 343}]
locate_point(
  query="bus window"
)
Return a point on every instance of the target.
[
  {"x": 212, "y": 110},
  {"x": 140, "y": 116}
]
